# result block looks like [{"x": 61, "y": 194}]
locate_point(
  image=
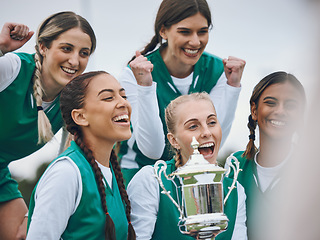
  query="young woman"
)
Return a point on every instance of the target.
[
  {"x": 178, "y": 67},
  {"x": 81, "y": 195},
  {"x": 277, "y": 107},
  {"x": 154, "y": 216},
  {"x": 29, "y": 86}
]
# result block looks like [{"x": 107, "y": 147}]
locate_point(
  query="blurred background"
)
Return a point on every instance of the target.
[{"x": 270, "y": 35}]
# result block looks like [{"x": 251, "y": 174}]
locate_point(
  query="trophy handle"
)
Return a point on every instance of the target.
[
  {"x": 158, "y": 177},
  {"x": 236, "y": 169}
]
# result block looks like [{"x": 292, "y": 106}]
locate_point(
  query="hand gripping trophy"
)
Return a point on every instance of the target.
[{"x": 201, "y": 205}]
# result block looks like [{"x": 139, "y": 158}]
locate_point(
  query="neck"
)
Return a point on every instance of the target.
[
  {"x": 273, "y": 152},
  {"x": 101, "y": 151},
  {"x": 175, "y": 68},
  {"x": 50, "y": 90}
]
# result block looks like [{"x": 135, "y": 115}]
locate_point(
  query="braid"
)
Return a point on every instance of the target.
[
  {"x": 123, "y": 193},
  {"x": 251, "y": 148},
  {"x": 45, "y": 133},
  {"x": 109, "y": 228},
  {"x": 178, "y": 158}
]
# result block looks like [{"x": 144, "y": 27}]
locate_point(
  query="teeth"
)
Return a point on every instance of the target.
[
  {"x": 122, "y": 117},
  {"x": 68, "y": 70},
  {"x": 206, "y": 145},
  {"x": 191, "y": 51},
  {"x": 278, "y": 123}
]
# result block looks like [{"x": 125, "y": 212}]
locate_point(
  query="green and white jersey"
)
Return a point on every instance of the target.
[
  {"x": 59, "y": 208},
  {"x": 19, "y": 115},
  {"x": 148, "y": 142}
]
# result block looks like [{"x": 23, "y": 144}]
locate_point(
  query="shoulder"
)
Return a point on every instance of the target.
[
  {"x": 25, "y": 56},
  {"x": 62, "y": 176},
  {"x": 62, "y": 168},
  {"x": 211, "y": 57},
  {"x": 144, "y": 181},
  {"x": 210, "y": 62}
]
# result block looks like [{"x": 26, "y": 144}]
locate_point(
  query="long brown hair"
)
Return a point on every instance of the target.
[
  {"x": 72, "y": 97},
  {"x": 50, "y": 29},
  {"x": 173, "y": 11},
  {"x": 273, "y": 78}
]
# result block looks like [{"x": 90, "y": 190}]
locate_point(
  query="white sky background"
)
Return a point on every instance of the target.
[{"x": 270, "y": 35}]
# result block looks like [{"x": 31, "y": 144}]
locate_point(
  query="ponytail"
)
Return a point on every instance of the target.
[{"x": 45, "y": 133}]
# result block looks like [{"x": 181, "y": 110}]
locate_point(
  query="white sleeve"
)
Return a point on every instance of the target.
[
  {"x": 240, "y": 228},
  {"x": 225, "y": 99},
  {"x": 10, "y": 65},
  {"x": 56, "y": 198},
  {"x": 145, "y": 118},
  {"x": 143, "y": 191}
]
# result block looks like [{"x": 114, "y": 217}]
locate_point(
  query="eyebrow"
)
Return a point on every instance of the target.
[
  {"x": 273, "y": 98},
  {"x": 195, "y": 119},
  {"x": 109, "y": 90},
  {"x": 185, "y": 28},
  {"x": 71, "y": 45}
]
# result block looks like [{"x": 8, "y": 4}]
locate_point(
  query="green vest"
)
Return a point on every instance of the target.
[
  {"x": 258, "y": 204},
  {"x": 207, "y": 72},
  {"x": 19, "y": 115},
  {"x": 88, "y": 221},
  {"x": 166, "y": 226}
]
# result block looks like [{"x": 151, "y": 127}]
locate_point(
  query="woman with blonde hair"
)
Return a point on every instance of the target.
[
  {"x": 154, "y": 216},
  {"x": 30, "y": 85}
]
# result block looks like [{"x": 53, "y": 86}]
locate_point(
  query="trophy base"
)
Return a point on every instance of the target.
[{"x": 205, "y": 223}]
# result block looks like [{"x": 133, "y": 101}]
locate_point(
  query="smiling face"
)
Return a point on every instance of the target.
[
  {"x": 187, "y": 40},
  {"x": 105, "y": 116},
  {"x": 196, "y": 118},
  {"x": 279, "y": 111},
  {"x": 66, "y": 58}
]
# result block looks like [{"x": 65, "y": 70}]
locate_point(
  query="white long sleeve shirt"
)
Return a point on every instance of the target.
[{"x": 147, "y": 126}]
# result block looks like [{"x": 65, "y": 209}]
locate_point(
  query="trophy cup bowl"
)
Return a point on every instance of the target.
[{"x": 202, "y": 205}]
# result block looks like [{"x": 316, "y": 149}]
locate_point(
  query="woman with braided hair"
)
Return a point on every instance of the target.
[
  {"x": 154, "y": 216},
  {"x": 277, "y": 106},
  {"x": 81, "y": 195},
  {"x": 30, "y": 85}
]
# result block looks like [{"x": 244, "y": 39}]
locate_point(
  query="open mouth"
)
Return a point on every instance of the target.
[
  {"x": 121, "y": 119},
  {"x": 191, "y": 52},
  {"x": 68, "y": 70},
  {"x": 206, "y": 149},
  {"x": 278, "y": 123}
]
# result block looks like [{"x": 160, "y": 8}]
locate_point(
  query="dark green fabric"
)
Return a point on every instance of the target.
[
  {"x": 19, "y": 116},
  {"x": 207, "y": 72},
  {"x": 88, "y": 221},
  {"x": 8, "y": 186},
  {"x": 168, "y": 214},
  {"x": 258, "y": 204}
]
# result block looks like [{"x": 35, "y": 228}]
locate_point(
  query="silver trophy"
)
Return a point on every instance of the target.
[{"x": 202, "y": 205}]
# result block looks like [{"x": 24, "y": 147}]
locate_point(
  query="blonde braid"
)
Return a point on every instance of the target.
[{"x": 45, "y": 133}]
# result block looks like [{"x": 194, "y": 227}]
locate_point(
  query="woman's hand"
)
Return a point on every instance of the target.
[
  {"x": 14, "y": 36},
  {"x": 233, "y": 68},
  {"x": 142, "y": 69}
]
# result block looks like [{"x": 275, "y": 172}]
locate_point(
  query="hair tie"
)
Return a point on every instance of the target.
[
  {"x": 129, "y": 222},
  {"x": 39, "y": 108},
  {"x": 107, "y": 213},
  {"x": 252, "y": 136}
]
